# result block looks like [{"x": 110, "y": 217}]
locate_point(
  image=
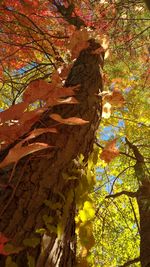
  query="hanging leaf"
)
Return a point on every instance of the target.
[
  {"x": 88, "y": 212},
  {"x": 110, "y": 151},
  {"x": 38, "y": 89},
  {"x": 19, "y": 151},
  {"x": 69, "y": 121},
  {"x": 30, "y": 117},
  {"x": 78, "y": 42},
  {"x": 13, "y": 113},
  {"x": 37, "y": 132},
  {"x": 114, "y": 98}
]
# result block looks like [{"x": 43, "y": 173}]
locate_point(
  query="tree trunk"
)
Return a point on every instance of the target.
[
  {"x": 39, "y": 197},
  {"x": 143, "y": 200}
]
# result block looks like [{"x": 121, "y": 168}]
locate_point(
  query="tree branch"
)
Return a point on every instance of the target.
[
  {"x": 135, "y": 216},
  {"x": 128, "y": 263},
  {"x": 124, "y": 192},
  {"x": 135, "y": 150},
  {"x": 66, "y": 12}
]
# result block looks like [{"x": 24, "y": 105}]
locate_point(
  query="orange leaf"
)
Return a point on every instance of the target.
[
  {"x": 78, "y": 42},
  {"x": 115, "y": 98},
  {"x": 37, "y": 132},
  {"x": 19, "y": 151},
  {"x": 38, "y": 89},
  {"x": 64, "y": 71},
  {"x": 70, "y": 121},
  {"x": 13, "y": 113},
  {"x": 10, "y": 133},
  {"x": 31, "y": 117},
  {"x": 77, "y": 37},
  {"x": 110, "y": 151}
]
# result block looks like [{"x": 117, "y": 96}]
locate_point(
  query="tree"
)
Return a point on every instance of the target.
[
  {"x": 119, "y": 226},
  {"x": 48, "y": 131}
]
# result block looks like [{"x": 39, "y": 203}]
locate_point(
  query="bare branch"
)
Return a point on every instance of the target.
[
  {"x": 124, "y": 192},
  {"x": 66, "y": 12},
  {"x": 128, "y": 263},
  {"x": 135, "y": 216},
  {"x": 135, "y": 150}
]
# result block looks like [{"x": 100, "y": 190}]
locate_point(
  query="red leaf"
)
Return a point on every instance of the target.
[
  {"x": 70, "y": 121},
  {"x": 3, "y": 241}
]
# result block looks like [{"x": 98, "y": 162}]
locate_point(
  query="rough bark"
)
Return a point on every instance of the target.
[
  {"x": 39, "y": 177},
  {"x": 143, "y": 200}
]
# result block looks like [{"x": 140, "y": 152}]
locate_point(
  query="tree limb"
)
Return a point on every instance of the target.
[
  {"x": 135, "y": 150},
  {"x": 127, "y": 193},
  {"x": 66, "y": 12},
  {"x": 128, "y": 263}
]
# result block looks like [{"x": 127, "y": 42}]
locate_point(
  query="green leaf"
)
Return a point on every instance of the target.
[
  {"x": 31, "y": 242},
  {"x": 31, "y": 261},
  {"x": 10, "y": 262},
  {"x": 88, "y": 212},
  {"x": 40, "y": 231},
  {"x": 47, "y": 219},
  {"x": 53, "y": 206}
]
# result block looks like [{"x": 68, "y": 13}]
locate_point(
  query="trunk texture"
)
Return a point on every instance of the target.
[
  {"x": 143, "y": 200},
  {"x": 38, "y": 197}
]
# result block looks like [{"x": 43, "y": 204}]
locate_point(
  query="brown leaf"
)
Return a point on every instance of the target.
[
  {"x": 110, "y": 151},
  {"x": 13, "y": 113},
  {"x": 19, "y": 151},
  {"x": 70, "y": 121},
  {"x": 10, "y": 133},
  {"x": 38, "y": 89},
  {"x": 31, "y": 117},
  {"x": 115, "y": 98},
  {"x": 78, "y": 42},
  {"x": 64, "y": 71},
  {"x": 68, "y": 100},
  {"x": 37, "y": 132}
]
